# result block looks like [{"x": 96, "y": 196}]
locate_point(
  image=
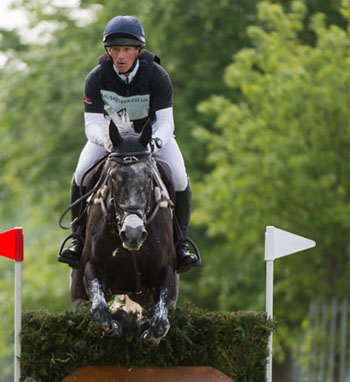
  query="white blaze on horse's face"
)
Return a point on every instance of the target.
[
  {"x": 132, "y": 184},
  {"x": 133, "y": 232}
]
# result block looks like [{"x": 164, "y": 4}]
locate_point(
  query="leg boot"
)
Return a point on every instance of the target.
[
  {"x": 71, "y": 255},
  {"x": 185, "y": 259}
]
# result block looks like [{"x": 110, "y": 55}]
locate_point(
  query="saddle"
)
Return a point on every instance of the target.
[{"x": 167, "y": 179}]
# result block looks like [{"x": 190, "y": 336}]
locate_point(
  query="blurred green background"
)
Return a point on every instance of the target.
[{"x": 261, "y": 102}]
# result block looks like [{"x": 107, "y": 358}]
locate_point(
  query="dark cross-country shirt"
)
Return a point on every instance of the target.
[{"x": 150, "y": 90}]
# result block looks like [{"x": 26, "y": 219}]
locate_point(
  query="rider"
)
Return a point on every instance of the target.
[{"x": 130, "y": 79}]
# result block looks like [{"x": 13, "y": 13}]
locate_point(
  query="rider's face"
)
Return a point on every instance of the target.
[{"x": 123, "y": 56}]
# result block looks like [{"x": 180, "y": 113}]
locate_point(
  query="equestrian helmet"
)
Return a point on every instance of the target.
[{"x": 124, "y": 31}]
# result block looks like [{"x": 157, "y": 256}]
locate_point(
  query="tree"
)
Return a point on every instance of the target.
[
  {"x": 41, "y": 127},
  {"x": 280, "y": 157}
]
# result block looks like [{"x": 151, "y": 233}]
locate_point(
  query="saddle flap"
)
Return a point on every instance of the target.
[{"x": 163, "y": 175}]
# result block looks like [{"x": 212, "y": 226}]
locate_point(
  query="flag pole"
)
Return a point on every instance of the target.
[
  {"x": 18, "y": 318},
  {"x": 11, "y": 246},
  {"x": 278, "y": 243},
  {"x": 269, "y": 258},
  {"x": 269, "y": 312},
  {"x": 18, "y": 300}
]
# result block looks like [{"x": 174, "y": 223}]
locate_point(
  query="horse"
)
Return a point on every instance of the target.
[{"x": 129, "y": 241}]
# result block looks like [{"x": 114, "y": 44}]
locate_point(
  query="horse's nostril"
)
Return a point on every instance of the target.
[
  {"x": 122, "y": 235},
  {"x": 144, "y": 235}
]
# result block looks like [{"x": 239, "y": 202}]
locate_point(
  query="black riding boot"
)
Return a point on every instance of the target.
[
  {"x": 185, "y": 259},
  {"x": 71, "y": 255}
]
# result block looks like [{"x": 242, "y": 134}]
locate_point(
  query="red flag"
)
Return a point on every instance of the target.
[{"x": 11, "y": 244}]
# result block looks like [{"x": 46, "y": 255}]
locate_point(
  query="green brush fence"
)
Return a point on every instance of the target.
[{"x": 54, "y": 345}]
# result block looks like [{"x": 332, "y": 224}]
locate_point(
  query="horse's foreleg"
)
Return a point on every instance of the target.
[
  {"x": 166, "y": 298},
  {"x": 99, "y": 308},
  {"x": 77, "y": 288}
]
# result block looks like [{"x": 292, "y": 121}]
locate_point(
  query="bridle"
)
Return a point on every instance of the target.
[{"x": 122, "y": 210}]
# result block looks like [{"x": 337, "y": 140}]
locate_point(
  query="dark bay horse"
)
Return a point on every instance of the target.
[{"x": 129, "y": 244}]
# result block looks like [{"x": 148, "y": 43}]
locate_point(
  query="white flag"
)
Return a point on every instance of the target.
[{"x": 279, "y": 243}]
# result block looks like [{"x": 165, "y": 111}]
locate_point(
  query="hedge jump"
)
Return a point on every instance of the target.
[{"x": 56, "y": 345}]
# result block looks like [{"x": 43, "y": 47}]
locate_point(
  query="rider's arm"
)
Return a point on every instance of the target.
[
  {"x": 96, "y": 129},
  {"x": 163, "y": 127},
  {"x": 162, "y": 105},
  {"x": 96, "y": 123}
]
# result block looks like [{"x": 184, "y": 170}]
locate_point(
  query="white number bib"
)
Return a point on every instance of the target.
[{"x": 137, "y": 106}]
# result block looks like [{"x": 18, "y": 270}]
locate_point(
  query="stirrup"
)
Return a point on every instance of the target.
[
  {"x": 186, "y": 267},
  {"x": 73, "y": 263}
]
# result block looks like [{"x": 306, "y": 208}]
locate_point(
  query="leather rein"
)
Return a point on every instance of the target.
[{"x": 99, "y": 192}]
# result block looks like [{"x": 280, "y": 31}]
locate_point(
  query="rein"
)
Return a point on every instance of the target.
[
  {"x": 124, "y": 159},
  {"x": 83, "y": 197}
]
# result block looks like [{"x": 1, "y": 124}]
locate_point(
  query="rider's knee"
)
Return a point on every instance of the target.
[{"x": 181, "y": 182}]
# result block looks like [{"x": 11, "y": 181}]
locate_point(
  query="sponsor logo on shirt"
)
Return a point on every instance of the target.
[{"x": 137, "y": 106}]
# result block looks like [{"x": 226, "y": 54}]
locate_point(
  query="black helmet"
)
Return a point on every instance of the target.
[{"x": 124, "y": 30}]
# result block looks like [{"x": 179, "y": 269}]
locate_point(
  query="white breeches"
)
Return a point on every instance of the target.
[{"x": 170, "y": 154}]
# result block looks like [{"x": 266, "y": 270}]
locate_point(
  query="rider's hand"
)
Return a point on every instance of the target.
[{"x": 155, "y": 144}]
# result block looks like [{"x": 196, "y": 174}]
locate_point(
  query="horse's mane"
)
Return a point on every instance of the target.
[
  {"x": 123, "y": 123},
  {"x": 121, "y": 120}
]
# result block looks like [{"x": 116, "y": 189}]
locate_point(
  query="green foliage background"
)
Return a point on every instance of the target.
[{"x": 261, "y": 92}]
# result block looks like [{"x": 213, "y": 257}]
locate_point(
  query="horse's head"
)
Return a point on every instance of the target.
[{"x": 130, "y": 175}]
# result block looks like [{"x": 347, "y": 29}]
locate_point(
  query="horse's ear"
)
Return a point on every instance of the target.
[
  {"x": 114, "y": 134},
  {"x": 146, "y": 133}
]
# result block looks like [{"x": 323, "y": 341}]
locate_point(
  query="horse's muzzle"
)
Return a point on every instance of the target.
[{"x": 133, "y": 232}]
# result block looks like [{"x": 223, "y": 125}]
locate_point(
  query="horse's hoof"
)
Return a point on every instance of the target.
[
  {"x": 143, "y": 324},
  {"x": 148, "y": 339},
  {"x": 114, "y": 329},
  {"x": 121, "y": 317},
  {"x": 160, "y": 327}
]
